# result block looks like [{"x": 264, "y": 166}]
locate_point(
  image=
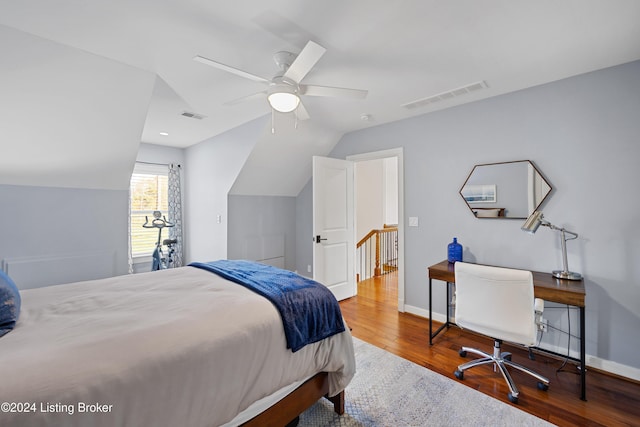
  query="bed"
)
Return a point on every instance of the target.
[{"x": 175, "y": 347}]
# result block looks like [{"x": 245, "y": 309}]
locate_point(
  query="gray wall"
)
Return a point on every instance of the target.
[
  {"x": 57, "y": 235},
  {"x": 582, "y": 133},
  {"x": 304, "y": 231},
  {"x": 52, "y": 235},
  {"x": 258, "y": 225}
]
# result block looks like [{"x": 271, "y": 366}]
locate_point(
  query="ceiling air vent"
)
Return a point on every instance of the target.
[
  {"x": 445, "y": 95},
  {"x": 192, "y": 115}
]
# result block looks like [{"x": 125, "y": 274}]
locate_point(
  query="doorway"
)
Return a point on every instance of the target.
[{"x": 385, "y": 161}]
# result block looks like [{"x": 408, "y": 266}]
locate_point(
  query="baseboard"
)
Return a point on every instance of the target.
[
  {"x": 604, "y": 365},
  {"x": 424, "y": 313},
  {"x": 591, "y": 361},
  {"x": 614, "y": 367}
]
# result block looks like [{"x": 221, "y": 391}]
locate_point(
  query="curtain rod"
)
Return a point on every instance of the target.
[{"x": 158, "y": 164}]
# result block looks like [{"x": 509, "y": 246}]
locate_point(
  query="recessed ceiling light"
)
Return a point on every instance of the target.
[{"x": 164, "y": 134}]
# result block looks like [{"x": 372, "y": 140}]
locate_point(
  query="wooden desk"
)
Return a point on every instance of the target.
[{"x": 545, "y": 286}]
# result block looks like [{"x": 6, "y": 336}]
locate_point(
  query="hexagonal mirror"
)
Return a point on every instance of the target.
[{"x": 505, "y": 190}]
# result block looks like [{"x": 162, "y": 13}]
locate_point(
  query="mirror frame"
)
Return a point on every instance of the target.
[{"x": 537, "y": 207}]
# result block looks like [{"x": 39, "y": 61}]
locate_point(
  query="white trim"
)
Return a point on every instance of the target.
[
  {"x": 399, "y": 154},
  {"x": 596, "y": 362},
  {"x": 592, "y": 361},
  {"x": 614, "y": 367},
  {"x": 421, "y": 312}
]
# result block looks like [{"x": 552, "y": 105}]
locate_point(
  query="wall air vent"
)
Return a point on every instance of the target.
[
  {"x": 445, "y": 95},
  {"x": 192, "y": 115}
]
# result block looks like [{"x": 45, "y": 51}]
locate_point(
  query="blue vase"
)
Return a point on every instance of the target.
[{"x": 454, "y": 251}]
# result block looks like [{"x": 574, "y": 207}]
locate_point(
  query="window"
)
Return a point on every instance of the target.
[{"x": 149, "y": 192}]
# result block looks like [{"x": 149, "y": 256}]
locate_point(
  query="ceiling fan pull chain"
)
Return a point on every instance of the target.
[
  {"x": 295, "y": 124},
  {"x": 273, "y": 127}
]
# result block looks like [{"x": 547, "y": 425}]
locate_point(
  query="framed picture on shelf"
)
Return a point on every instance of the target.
[{"x": 485, "y": 193}]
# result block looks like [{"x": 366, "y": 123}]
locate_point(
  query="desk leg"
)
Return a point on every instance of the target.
[
  {"x": 430, "y": 315},
  {"x": 583, "y": 365},
  {"x": 446, "y": 324},
  {"x": 448, "y": 302}
]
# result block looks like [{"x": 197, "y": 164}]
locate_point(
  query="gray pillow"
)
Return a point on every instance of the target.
[{"x": 9, "y": 304}]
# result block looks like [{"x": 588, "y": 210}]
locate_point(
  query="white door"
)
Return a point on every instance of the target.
[{"x": 333, "y": 226}]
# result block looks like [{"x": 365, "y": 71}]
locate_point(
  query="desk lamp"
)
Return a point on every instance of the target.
[{"x": 531, "y": 226}]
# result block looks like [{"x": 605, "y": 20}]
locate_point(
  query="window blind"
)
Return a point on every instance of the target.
[{"x": 148, "y": 192}]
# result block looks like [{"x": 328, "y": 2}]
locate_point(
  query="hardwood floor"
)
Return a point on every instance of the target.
[{"x": 374, "y": 318}]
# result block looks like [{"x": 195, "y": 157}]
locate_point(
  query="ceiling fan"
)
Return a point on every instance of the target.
[{"x": 284, "y": 89}]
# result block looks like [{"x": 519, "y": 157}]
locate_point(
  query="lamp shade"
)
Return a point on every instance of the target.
[
  {"x": 532, "y": 223},
  {"x": 283, "y": 98}
]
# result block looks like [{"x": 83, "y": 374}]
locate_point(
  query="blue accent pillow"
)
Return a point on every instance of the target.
[{"x": 9, "y": 303}]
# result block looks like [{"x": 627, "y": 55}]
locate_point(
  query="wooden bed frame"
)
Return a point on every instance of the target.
[{"x": 286, "y": 410}]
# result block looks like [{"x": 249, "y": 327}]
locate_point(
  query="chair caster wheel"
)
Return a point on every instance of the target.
[
  {"x": 512, "y": 398},
  {"x": 459, "y": 374},
  {"x": 542, "y": 386},
  {"x": 462, "y": 353}
]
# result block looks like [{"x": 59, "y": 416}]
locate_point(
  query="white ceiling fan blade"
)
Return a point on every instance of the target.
[
  {"x": 302, "y": 112},
  {"x": 313, "y": 90},
  {"x": 229, "y": 69},
  {"x": 305, "y": 61},
  {"x": 246, "y": 98}
]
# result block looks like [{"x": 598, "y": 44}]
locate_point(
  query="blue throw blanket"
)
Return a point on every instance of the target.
[{"x": 308, "y": 309}]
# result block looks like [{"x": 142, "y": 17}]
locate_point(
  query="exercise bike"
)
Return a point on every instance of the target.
[{"x": 160, "y": 261}]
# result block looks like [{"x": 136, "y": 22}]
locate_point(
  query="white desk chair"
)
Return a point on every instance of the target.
[{"x": 497, "y": 302}]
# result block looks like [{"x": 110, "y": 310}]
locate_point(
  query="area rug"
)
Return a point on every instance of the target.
[{"x": 390, "y": 391}]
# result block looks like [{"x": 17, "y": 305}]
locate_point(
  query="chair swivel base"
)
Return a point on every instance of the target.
[{"x": 501, "y": 361}]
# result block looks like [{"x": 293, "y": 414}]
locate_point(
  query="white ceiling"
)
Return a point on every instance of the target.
[
  {"x": 400, "y": 51},
  {"x": 82, "y": 83}
]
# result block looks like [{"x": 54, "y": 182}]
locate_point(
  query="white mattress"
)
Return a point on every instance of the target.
[{"x": 176, "y": 347}]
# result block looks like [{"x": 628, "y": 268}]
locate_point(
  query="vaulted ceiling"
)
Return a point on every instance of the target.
[{"x": 128, "y": 72}]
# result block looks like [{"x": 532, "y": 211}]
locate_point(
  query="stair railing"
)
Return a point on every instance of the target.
[{"x": 377, "y": 253}]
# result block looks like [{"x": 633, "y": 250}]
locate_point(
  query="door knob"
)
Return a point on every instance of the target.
[{"x": 318, "y": 239}]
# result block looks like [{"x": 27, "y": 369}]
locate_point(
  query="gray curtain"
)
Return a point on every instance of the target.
[
  {"x": 129, "y": 250},
  {"x": 175, "y": 212}
]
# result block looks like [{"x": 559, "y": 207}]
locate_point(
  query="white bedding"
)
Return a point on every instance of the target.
[{"x": 180, "y": 347}]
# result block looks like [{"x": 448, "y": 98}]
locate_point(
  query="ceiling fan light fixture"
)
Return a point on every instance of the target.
[
  {"x": 284, "y": 102},
  {"x": 284, "y": 90},
  {"x": 283, "y": 98}
]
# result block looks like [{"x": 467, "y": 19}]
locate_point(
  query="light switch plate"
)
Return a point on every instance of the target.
[{"x": 413, "y": 221}]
